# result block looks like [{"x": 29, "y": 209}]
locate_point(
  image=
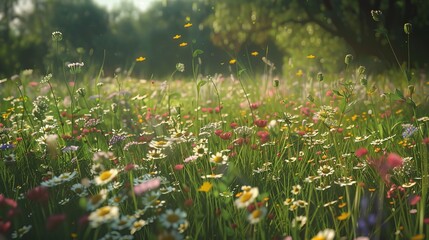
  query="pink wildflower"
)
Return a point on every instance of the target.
[
  {"x": 394, "y": 160},
  {"x": 361, "y": 152},
  {"x": 146, "y": 186}
]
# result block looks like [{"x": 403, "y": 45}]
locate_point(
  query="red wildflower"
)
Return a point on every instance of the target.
[
  {"x": 217, "y": 109},
  {"x": 178, "y": 167},
  {"x": 255, "y": 105},
  {"x": 415, "y": 199},
  {"x": 7, "y": 202},
  {"x": 260, "y": 123},
  {"x": 225, "y": 135},
  {"x": 394, "y": 160},
  {"x": 54, "y": 221},
  {"x": 361, "y": 152},
  {"x": 5, "y": 226},
  {"x": 38, "y": 194},
  {"x": 129, "y": 167},
  {"x": 218, "y": 132},
  {"x": 188, "y": 202}
]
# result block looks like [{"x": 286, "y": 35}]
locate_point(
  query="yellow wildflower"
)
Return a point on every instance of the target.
[
  {"x": 299, "y": 73},
  {"x": 177, "y": 36},
  {"x": 311, "y": 56},
  {"x": 255, "y": 53},
  {"x": 188, "y": 25},
  {"x": 140, "y": 59},
  {"x": 206, "y": 187},
  {"x": 343, "y": 216},
  {"x": 418, "y": 237},
  {"x": 232, "y": 61},
  {"x": 183, "y": 44}
]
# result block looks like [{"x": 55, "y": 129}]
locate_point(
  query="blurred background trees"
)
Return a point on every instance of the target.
[{"x": 284, "y": 31}]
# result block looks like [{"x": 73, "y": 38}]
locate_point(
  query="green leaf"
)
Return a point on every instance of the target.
[
  {"x": 200, "y": 83},
  {"x": 409, "y": 75},
  {"x": 400, "y": 94},
  {"x": 226, "y": 215},
  {"x": 337, "y": 93},
  {"x": 174, "y": 95},
  {"x": 411, "y": 102},
  {"x": 241, "y": 71},
  {"x": 197, "y": 52}
]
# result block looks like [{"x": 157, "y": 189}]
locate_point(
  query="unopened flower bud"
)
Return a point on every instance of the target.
[
  {"x": 57, "y": 36},
  {"x": 276, "y": 83},
  {"x": 361, "y": 70},
  {"x": 320, "y": 76},
  {"x": 114, "y": 107},
  {"x": 376, "y": 15},
  {"x": 407, "y": 28},
  {"x": 180, "y": 67},
  {"x": 363, "y": 81},
  {"x": 348, "y": 59},
  {"x": 81, "y": 92},
  {"x": 411, "y": 89}
]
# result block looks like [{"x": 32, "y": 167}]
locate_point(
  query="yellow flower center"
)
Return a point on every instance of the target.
[
  {"x": 217, "y": 159},
  {"x": 161, "y": 143},
  {"x": 173, "y": 218},
  {"x": 200, "y": 150},
  {"x": 104, "y": 211},
  {"x": 257, "y": 213},
  {"x": 96, "y": 198},
  {"x": 245, "y": 197},
  {"x": 105, "y": 175}
]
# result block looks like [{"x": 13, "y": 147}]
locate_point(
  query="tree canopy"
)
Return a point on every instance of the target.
[{"x": 285, "y": 31}]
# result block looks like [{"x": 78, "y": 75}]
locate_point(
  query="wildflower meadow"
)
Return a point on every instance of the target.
[{"x": 88, "y": 154}]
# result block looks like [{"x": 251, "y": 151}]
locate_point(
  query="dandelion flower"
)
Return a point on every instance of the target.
[
  {"x": 232, "y": 61},
  {"x": 311, "y": 56},
  {"x": 172, "y": 218},
  {"x": 187, "y": 25},
  {"x": 246, "y": 198},
  {"x": 177, "y": 36},
  {"x": 206, "y": 187},
  {"x": 183, "y": 44},
  {"x": 300, "y": 73},
  {"x": 106, "y": 176}
]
